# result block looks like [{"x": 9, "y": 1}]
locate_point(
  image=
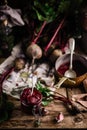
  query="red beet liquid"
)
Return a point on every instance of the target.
[
  {"x": 78, "y": 66},
  {"x": 28, "y": 101}
]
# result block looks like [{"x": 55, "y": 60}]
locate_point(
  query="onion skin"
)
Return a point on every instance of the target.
[{"x": 34, "y": 51}]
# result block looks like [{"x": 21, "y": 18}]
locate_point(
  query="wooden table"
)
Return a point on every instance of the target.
[{"x": 21, "y": 120}]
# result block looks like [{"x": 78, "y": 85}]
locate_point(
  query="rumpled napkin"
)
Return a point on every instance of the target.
[{"x": 13, "y": 16}]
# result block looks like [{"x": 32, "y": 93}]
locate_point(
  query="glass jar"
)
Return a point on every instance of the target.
[{"x": 30, "y": 101}]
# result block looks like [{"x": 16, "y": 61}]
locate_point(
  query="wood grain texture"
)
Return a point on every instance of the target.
[{"x": 22, "y": 120}]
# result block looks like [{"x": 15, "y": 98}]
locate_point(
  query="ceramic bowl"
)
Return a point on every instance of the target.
[{"x": 79, "y": 65}]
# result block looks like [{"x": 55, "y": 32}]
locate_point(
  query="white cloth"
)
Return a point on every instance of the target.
[{"x": 15, "y": 16}]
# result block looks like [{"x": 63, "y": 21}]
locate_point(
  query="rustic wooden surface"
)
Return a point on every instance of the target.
[{"x": 21, "y": 120}]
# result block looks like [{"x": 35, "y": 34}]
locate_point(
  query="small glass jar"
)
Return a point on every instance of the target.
[{"x": 30, "y": 101}]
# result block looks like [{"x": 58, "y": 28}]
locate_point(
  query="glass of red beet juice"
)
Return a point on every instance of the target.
[{"x": 29, "y": 101}]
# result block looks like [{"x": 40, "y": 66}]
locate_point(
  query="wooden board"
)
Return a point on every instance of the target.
[{"x": 21, "y": 120}]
